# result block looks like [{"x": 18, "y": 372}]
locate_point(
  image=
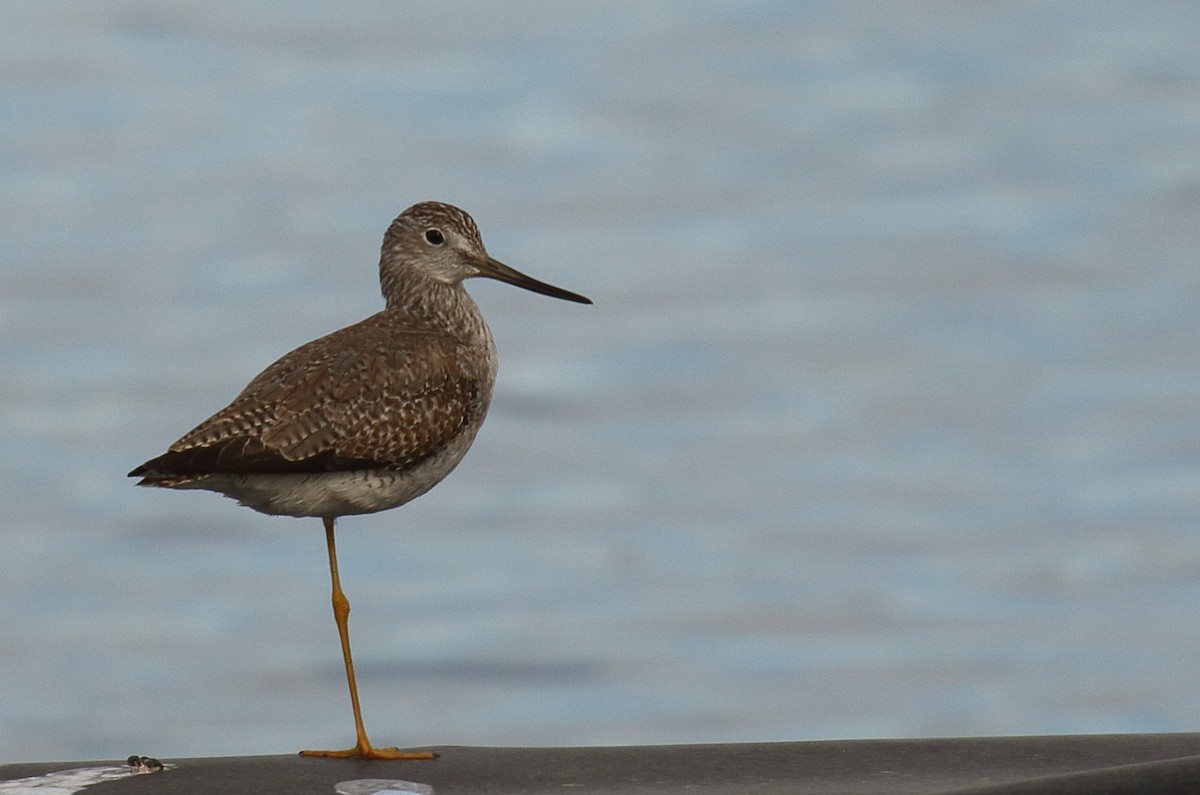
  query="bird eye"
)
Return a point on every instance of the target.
[{"x": 434, "y": 237}]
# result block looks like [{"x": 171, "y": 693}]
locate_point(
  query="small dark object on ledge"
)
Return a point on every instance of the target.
[{"x": 144, "y": 764}]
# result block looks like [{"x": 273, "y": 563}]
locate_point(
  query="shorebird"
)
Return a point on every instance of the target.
[{"x": 368, "y": 417}]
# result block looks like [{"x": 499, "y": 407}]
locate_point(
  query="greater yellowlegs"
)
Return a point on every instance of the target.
[{"x": 368, "y": 417}]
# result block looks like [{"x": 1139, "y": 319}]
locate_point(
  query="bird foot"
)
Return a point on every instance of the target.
[{"x": 367, "y": 751}]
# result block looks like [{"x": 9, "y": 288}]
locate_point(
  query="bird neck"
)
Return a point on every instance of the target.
[{"x": 444, "y": 306}]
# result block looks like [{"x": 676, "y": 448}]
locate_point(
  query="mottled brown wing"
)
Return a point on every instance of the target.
[{"x": 373, "y": 395}]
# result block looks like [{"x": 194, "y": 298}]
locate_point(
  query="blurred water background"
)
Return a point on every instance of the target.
[{"x": 885, "y": 422}]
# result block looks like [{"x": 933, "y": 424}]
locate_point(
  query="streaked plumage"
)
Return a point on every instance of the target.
[
  {"x": 370, "y": 416},
  {"x": 385, "y": 395}
]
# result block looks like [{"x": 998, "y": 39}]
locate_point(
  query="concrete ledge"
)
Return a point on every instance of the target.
[{"x": 1141, "y": 763}]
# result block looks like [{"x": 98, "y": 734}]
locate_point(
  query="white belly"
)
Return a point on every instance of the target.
[{"x": 331, "y": 494}]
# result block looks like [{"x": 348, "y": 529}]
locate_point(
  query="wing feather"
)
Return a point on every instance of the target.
[{"x": 378, "y": 394}]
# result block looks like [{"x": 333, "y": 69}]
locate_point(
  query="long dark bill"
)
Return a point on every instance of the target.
[{"x": 494, "y": 269}]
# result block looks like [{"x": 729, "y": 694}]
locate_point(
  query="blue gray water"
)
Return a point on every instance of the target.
[{"x": 885, "y": 422}]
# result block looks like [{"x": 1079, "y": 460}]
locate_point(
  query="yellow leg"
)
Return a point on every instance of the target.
[{"x": 341, "y": 612}]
